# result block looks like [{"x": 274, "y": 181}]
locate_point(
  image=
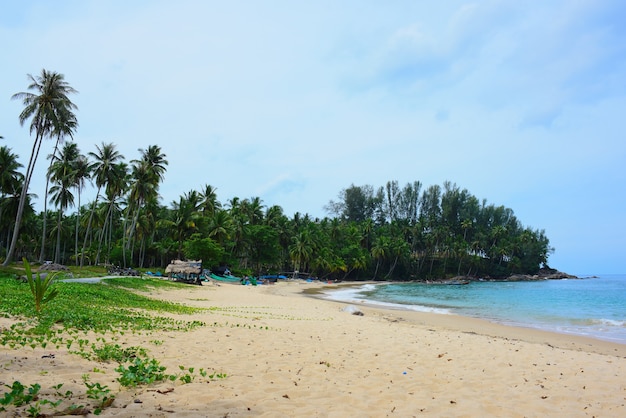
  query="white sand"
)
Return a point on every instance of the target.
[{"x": 289, "y": 355}]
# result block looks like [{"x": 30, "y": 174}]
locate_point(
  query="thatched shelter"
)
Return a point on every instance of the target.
[{"x": 184, "y": 270}]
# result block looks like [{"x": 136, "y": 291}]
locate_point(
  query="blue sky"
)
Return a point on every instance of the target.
[{"x": 520, "y": 103}]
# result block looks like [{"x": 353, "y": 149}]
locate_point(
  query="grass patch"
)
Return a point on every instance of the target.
[
  {"x": 73, "y": 319},
  {"x": 99, "y": 307}
]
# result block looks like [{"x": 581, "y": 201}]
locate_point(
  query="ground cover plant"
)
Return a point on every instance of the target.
[
  {"x": 88, "y": 320},
  {"x": 75, "y": 304}
]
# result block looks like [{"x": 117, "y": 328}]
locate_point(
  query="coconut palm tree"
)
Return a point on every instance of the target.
[
  {"x": 103, "y": 167},
  {"x": 62, "y": 174},
  {"x": 183, "y": 223},
  {"x": 221, "y": 227},
  {"x": 148, "y": 172},
  {"x": 82, "y": 174},
  {"x": 47, "y": 107},
  {"x": 301, "y": 250},
  {"x": 66, "y": 125},
  {"x": 141, "y": 189},
  {"x": 117, "y": 184},
  {"x": 10, "y": 181},
  {"x": 10, "y": 177},
  {"x": 209, "y": 204}
]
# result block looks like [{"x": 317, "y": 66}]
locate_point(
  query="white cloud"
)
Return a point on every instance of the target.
[{"x": 295, "y": 101}]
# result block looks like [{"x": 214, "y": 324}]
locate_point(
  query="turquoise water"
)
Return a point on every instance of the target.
[{"x": 594, "y": 307}]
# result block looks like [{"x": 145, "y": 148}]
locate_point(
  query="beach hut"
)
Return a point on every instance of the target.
[{"x": 187, "y": 271}]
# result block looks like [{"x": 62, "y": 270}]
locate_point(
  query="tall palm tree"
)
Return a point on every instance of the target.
[
  {"x": 253, "y": 209},
  {"x": 10, "y": 177},
  {"x": 185, "y": 213},
  {"x": 148, "y": 172},
  {"x": 66, "y": 125},
  {"x": 10, "y": 181},
  {"x": 103, "y": 168},
  {"x": 221, "y": 227},
  {"x": 63, "y": 176},
  {"x": 209, "y": 204},
  {"x": 301, "y": 250},
  {"x": 141, "y": 190},
  {"x": 117, "y": 184},
  {"x": 82, "y": 173},
  {"x": 380, "y": 251},
  {"x": 46, "y": 108}
]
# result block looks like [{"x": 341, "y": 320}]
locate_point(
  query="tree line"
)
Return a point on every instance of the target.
[{"x": 389, "y": 232}]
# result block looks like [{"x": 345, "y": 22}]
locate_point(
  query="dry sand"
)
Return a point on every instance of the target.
[{"x": 289, "y": 355}]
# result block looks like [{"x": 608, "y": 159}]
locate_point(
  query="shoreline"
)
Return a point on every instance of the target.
[
  {"x": 467, "y": 324},
  {"x": 503, "y": 328},
  {"x": 286, "y": 353}
]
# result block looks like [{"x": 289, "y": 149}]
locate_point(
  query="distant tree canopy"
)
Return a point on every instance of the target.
[
  {"x": 385, "y": 233},
  {"x": 441, "y": 231},
  {"x": 392, "y": 232}
]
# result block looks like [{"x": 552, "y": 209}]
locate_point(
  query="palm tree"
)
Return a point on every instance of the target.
[
  {"x": 148, "y": 172},
  {"x": 66, "y": 126},
  {"x": 221, "y": 227},
  {"x": 209, "y": 203},
  {"x": 63, "y": 174},
  {"x": 185, "y": 213},
  {"x": 10, "y": 181},
  {"x": 253, "y": 209},
  {"x": 82, "y": 173},
  {"x": 9, "y": 176},
  {"x": 141, "y": 190},
  {"x": 47, "y": 110},
  {"x": 301, "y": 250},
  {"x": 380, "y": 251},
  {"x": 117, "y": 184},
  {"x": 103, "y": 171}
]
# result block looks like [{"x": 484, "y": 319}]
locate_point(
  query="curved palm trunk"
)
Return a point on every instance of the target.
[
  {"x": 57, "y": 254},
  {"x": 76, "y": 230},
  {"x": 45, "y": 203},
  {"x": 20, "y": 208},
  {"x": 45, "y": 219},
  {"x": 108, "y": 220},
  {"x": 93, "y": 209}
]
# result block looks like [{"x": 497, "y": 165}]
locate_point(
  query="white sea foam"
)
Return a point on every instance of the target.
[
  {"x": 609, "y": 322},
  {"x": 355, "y": 295}
]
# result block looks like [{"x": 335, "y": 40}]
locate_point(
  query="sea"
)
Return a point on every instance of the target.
[{"x": 592, "y": 306}]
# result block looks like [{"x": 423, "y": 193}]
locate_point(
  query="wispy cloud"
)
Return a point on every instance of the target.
[{"x": 295, "y": 101}]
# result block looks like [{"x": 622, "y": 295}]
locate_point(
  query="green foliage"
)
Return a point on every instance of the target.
[
  {"x": 142, "y": 371},
  {"x": 41, "y": 289},
  {"x": 19, "y": 395},
  {"x": 87, "y": 271},
  {"x": 116, "y": 353},
  {"x": 98, "y": 308},
  {"x": 206, "y": 249},
  {"x": 100, "y": 393},
  {"x": 117, "y": 255},
  {"x": 144, "y": 284},
  {"x": 95, "y": 307}
]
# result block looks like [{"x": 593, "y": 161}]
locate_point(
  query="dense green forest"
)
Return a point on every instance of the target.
[{"x": 390, "y": 232}]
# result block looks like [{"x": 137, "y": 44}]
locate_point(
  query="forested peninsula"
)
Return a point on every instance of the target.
[{"x": 393, "y": 232}]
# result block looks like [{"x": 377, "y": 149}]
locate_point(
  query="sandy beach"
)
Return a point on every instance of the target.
[{"x": 288, "y": 354}]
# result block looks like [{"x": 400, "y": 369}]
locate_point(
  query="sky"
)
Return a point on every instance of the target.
[{"x": 521, "y": 103}]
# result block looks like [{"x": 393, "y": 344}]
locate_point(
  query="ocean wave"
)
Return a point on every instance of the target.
[
  {"x": 609, "y": 322},
  {"x": 355, "y": 295}
]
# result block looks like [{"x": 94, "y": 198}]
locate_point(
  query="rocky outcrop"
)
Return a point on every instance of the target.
[{"x": 543, "y": 274}]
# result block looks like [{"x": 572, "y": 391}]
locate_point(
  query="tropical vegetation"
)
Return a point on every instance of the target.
[{"x": 392, "y": 231}]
